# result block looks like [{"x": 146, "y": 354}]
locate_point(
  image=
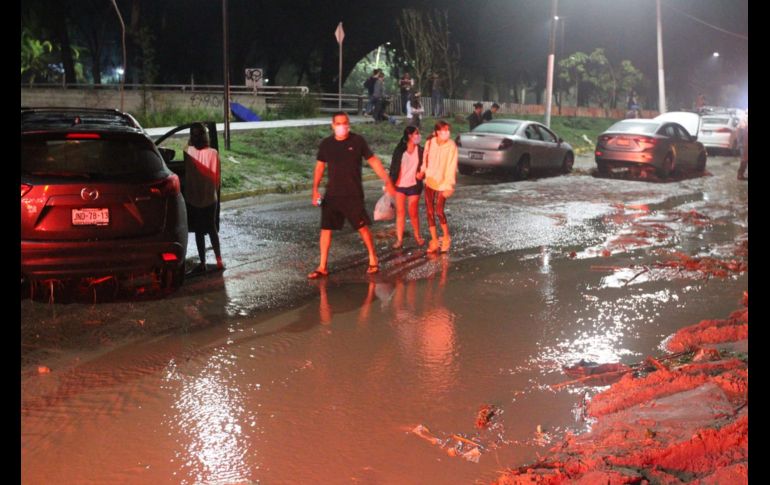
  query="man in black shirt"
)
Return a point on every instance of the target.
[
  {"x": 487, "y": 116},
  {"x": 344, "y": 198},
  {"x": 474, "y": 119}
]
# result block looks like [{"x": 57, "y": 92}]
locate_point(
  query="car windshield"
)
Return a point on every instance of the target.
[
  {"x": 90, "y": 158},
  {"x": 497, "y": 128},
  {"x": 715, "y": 121},
  {"x": 633, "y": 127}
]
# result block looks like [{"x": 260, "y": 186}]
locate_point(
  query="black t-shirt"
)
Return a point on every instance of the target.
[
  {"x": 343, "y": 161},
  {"x": 487, "y": 116}
]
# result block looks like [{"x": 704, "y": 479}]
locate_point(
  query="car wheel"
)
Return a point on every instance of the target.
[
  {"x": 569, "y": 161},
  {"x": 465, "y": 169},
  {"x": 700, "y": 165},
  {"x": 523, "y": 168},
  {"x": 667, "y": 167},
  {"x": 172, "y": 278}
]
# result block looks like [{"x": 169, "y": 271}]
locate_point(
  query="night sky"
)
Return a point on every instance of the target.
[{"x": 497, "y": 37}]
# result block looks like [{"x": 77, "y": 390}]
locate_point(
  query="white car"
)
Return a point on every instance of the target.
[{"x": 719, "y": 131}]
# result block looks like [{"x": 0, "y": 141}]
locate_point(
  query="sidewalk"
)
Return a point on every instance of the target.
[{"x": 256, "y": 125}]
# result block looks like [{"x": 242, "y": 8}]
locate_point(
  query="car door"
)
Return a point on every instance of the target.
[
  {"x": 552, "y": 151},
  {"x": 688, "y": 149},
  {"x": 167, "y": 143},
  {"x": 535, "y": 146}
]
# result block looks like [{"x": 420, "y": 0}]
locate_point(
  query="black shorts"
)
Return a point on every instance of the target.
[
  {"x": 413, "y": 190},
  {"x": 334, "y": 211}
]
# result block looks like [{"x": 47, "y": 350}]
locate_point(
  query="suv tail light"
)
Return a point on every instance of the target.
[
  {"x": 506, "y": 143},
  {"x": 457, "y": 141},
  {"x": 25, "y": 188},
  {"x": 168, "y": 186},
  {"x": 724, "y": 130}
]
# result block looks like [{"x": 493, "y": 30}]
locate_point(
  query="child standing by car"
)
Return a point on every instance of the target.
[{"x": 439, "y": 170}]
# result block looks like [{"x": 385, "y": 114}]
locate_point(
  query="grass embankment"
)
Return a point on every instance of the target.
[{"x": 282, "y": 159}]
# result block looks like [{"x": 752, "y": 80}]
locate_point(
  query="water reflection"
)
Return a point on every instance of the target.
[
  {"x": 209, "y": 412},
  {"x": 425, "y": 328}
]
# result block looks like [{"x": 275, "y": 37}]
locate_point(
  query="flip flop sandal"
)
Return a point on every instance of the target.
[
  {"x": 317, "y": 274},
  {"x": 373, "y": 268}
]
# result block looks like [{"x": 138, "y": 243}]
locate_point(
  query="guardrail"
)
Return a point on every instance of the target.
[{"x": 277, "y": 97}]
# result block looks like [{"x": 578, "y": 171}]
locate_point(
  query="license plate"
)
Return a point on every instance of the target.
[
  {"x": 619, "y": 169},
  {"x": 623, "y": 141},
  {"x": 90, "y": 217},
  {"x": 476, "y": 155}
]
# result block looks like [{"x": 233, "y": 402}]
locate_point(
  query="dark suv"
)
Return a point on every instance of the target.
[{"x": 97, "y": 199}]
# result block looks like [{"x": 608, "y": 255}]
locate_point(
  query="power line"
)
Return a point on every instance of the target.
[{"x": 740, "y": 36}]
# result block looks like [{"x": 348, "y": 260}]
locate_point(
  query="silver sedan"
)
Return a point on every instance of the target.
[
  {"x": 656, "y": 144},
  {"x": 516, "y": 146}
]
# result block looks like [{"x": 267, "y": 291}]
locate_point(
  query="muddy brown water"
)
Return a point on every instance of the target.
[{"x": 329, "y": 390}]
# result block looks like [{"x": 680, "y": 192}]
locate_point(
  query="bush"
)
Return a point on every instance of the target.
[{"x": 299, "y": 106}]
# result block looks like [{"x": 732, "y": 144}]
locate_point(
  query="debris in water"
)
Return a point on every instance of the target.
[{"x": 485, "y": 414}]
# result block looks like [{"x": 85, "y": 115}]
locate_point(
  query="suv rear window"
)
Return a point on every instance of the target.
[{"x": 101, "y": 158}]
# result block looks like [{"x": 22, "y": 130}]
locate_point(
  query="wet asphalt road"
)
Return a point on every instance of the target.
[
  {"x": 257, "y": 375},
  {"x": 270, "y": 243}
]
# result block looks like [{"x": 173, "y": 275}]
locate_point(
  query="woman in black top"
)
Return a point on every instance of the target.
[{"x": 404, "y": 167}]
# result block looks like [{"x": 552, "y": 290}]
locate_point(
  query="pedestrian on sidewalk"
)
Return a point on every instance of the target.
[
  {"x": 405, "y": 85},
  {"x": 203, "y": 179},
  {"x": 414, "y": 110},
  {"x": 404, "y": 167},
  {"x": 378, "y": 96},
  {"x": 439, "y": 170},
  {"x": 437, "y": 95},
  {"x": 369, "y": 85},
  {"x": 344, "y": 197}
]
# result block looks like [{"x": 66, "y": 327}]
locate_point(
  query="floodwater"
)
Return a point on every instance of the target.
[{"x": 331, "y": 388}]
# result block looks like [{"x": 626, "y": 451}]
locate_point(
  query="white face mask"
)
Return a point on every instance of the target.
[
  {"x": 416, "y": 139},
  {"x": 341, "y": 131},
  {"x": 443, "y": 135}
]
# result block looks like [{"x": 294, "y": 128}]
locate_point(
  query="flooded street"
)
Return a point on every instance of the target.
[{"x": 256, "y": 375}]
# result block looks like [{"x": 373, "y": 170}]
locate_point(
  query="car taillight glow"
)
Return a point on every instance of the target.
[
  {"x": 506, "y": 143},
  {"x": 169, "y": 257},
  {"x": 646, "y": 141},
  {"x": 83, "y": 136},
  {"x": 25, "y": 188},
  {"x": 723, "y": 130},
  {"x": 169, "y": 186},
  {"x": 598, "y": 153}
]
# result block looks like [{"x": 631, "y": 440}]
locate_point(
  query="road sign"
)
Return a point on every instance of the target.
[{"x": 339, "y": 33}]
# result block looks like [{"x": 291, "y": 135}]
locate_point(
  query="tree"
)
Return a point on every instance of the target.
[
  {"x": 426, "y": 46},
  {"x": 595, "y": 78},
  {"x": 573, "y": 70}
]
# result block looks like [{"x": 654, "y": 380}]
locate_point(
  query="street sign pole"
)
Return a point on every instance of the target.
[{"x": 340, "y": 35}]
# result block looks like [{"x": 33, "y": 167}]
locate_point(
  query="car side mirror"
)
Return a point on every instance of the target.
[{"x": 167, "y": 154}]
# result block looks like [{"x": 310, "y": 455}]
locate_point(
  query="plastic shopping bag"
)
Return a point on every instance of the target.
[{"x": 384, "y": 210}]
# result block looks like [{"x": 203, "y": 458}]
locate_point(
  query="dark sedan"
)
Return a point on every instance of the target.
[
  {"x": 515, "y": 146},
  {"x": 659, "y": 145}
]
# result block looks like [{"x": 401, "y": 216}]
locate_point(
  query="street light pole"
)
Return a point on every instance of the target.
[
  {"x": 226, "y": 75},
  {"x": 123, "y": 42},
  {"x": 661, "y": 75},
  {"x": 549, "y": 75}
]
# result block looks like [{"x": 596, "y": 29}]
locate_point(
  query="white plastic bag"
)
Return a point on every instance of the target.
[{"x": 385, "y": 209}]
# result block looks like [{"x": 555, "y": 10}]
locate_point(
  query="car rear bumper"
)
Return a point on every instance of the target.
[
  {"x": 626, "y": 158},
  {"x": 45, "y": 260},
  {"x": 490, "y": 159}
]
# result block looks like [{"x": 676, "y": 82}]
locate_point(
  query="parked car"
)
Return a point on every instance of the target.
[
  {"x": 658, "y": 144},
  {"x": 719, "y": 131},
  {"x": 516, "y": 146},
  {"x": 97, "y": 199}
]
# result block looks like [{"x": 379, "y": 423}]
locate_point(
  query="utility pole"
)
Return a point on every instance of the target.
[
  {"x": 661, "y": 75},
  {"x": 549, "y": 75},
  {"x": 123, "y": 41},
  {"x": 226, "y": 75}
]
